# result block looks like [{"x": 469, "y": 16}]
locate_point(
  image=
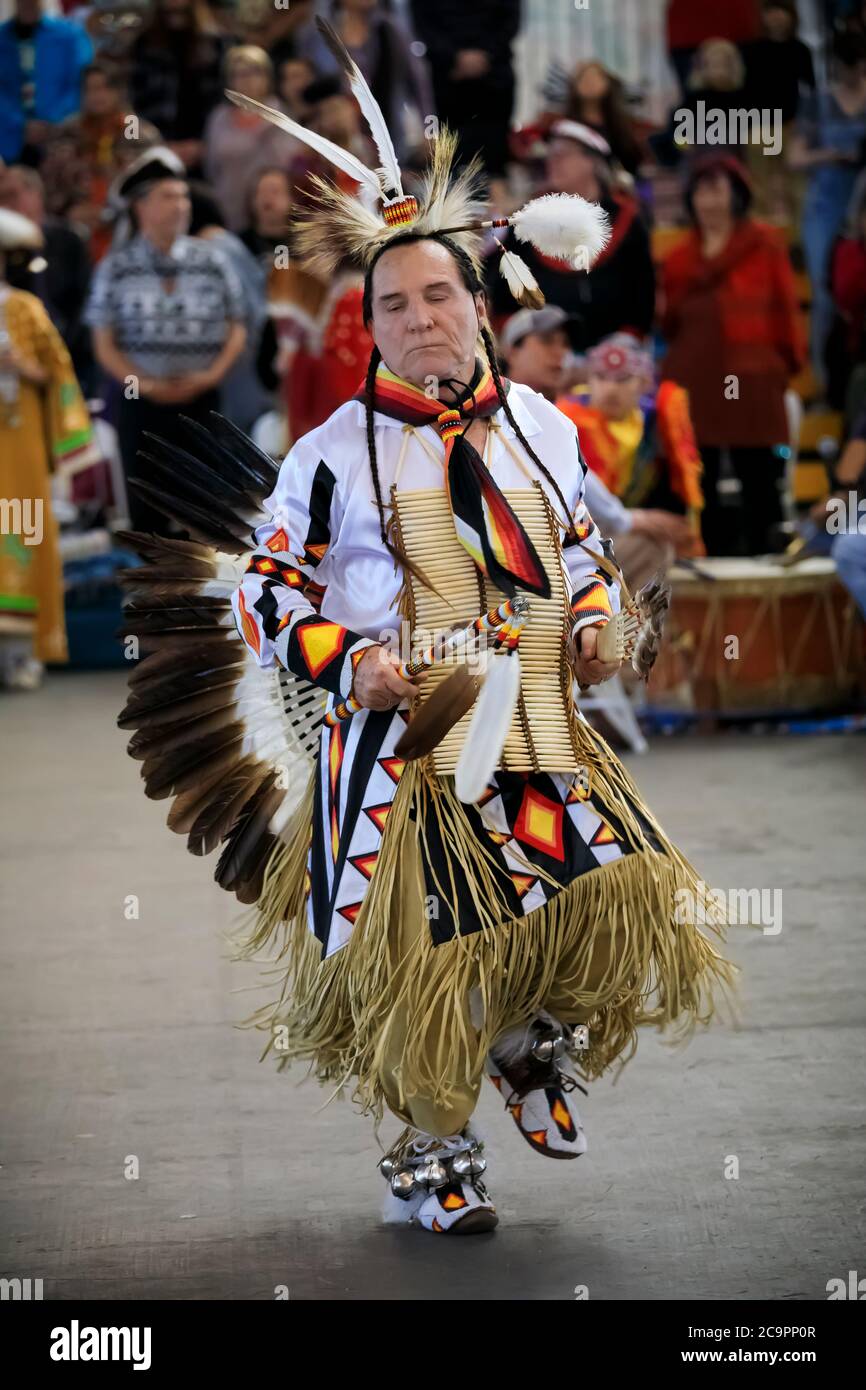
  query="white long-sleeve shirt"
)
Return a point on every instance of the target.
[{"x": 321, "y": 587}]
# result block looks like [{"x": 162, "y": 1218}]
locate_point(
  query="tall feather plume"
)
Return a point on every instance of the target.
[
  {"x": 335, "y": 154},
  {"x": 389, "y": 171},
  {"x": 565, "y": 226}
]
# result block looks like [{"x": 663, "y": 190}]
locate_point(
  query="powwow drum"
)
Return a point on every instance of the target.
[
  {"x": 542, "y": 734},
  {"x": 798, "y": 638}
]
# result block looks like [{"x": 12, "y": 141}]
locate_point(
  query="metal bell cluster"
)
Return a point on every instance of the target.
[
  {"x": 549, "y": 1047},
  {"x": 426, "y": 1174},
  {"x": 554, "y": 1043}
]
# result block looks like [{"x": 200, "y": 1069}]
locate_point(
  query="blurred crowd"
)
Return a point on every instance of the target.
[{"x": 728, "y": 306}]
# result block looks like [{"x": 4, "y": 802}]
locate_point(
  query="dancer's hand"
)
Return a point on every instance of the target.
[
  {"x": 589, "y": 670},
  {"x": 377, "y": 684}
]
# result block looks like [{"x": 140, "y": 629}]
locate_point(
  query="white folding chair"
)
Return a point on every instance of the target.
[{"x": 611, "y": 700}]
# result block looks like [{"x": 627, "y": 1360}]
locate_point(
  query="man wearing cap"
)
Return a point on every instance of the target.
[
  {"x": 619, "y": 291},
  {"x": 167, "y": 316},
  {"x": 616, "y": 425}
]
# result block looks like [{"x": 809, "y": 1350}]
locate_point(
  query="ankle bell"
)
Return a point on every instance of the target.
[
  {"x": 406, "y": 1176},
  {"x": 548, "y": 1046}
]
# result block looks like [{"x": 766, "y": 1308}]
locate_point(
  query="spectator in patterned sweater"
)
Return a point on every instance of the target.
[{"x": 167, "y": 316}]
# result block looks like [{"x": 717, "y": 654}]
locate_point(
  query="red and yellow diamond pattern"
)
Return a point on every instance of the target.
[
  {"x": 320, "y": 643},
  {"x": 539, "y": 823}
]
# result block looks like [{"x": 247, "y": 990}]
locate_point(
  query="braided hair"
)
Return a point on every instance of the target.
[{"x": 470, "y": 277}]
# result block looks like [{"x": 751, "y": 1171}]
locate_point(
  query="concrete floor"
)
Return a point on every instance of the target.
[{"x": 118, "y": 1042}]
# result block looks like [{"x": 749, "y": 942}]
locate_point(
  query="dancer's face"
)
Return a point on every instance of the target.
[{"x": 425, "y": 322}]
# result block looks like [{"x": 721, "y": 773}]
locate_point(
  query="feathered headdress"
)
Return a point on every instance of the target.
[{"x": 342, "y": 227}]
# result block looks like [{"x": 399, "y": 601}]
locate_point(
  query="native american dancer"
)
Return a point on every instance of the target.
[{"x": 458, "y": 874}]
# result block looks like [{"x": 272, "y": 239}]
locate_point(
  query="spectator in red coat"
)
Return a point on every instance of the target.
[
  {"x": 330, "y": 363},
  {"x": 734, "y": 338},
  {"x": 846, "y": 350}
]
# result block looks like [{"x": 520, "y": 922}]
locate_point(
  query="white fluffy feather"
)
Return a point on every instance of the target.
[
  {"x": 18, "y": 231},
  {"x": 563, "y": 225},
  {"x": 488, "y": 727},
  {"x": 334, "y": 153}
]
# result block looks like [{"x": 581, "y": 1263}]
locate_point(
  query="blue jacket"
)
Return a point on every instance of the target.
[{"x": 63, "y": 50}]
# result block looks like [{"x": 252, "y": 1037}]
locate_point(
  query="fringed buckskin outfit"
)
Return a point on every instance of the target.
[
  {"x": 409, "y": 908},
  {"x": 415, "y": 928}
]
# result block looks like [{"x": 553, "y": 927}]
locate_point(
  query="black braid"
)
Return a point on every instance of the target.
[
  {"x": 369, "y": 395},
  {"x": 487, "y": 339}
]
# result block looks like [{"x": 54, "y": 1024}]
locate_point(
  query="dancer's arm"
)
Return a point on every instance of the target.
[
  {"x": 596, "y": 595},
  {"x": 273, "y": 613}
]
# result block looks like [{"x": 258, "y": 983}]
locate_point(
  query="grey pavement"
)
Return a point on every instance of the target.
[{"x": 119, "y": 1049}]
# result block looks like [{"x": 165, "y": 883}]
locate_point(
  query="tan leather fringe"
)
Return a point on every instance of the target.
[{"x": 334, "y": 1013}]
